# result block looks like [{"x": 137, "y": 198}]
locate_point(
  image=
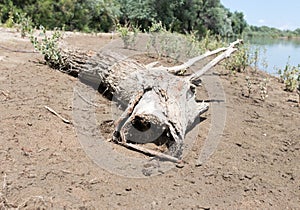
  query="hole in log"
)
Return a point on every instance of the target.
[
  {"x": 141, "y": 124},
  {"x": 165, "y": 138},
  {"x": 144, "y": 131}
]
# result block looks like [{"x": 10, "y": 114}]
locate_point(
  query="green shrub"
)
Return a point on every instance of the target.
[
  {"x": 25, "y": 24},
  {"x": 263, "y": 86},
  {"x": 249, "y": 86},
  {"x": 155, "y": 32},
  {"x": 239, "y": 60},
  {"x": 257, "y": 58},
  {"x": 210, "y": 42},
  {"x": 49, "y": 47},
  {"x": 10, "y": 21},
  {"x": 128, "y": 35},
  {"x": 290, "y": 76}
]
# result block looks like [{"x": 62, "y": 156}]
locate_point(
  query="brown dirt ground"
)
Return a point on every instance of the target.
[{"x": 42, "y": 165}]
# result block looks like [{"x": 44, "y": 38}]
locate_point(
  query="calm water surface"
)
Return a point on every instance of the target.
[{"x": 277, "y": 52}]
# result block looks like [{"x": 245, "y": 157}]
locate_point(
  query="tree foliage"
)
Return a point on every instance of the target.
[
  {"x": 103, "y": 15},
  {"x": 83, "y": 15}
]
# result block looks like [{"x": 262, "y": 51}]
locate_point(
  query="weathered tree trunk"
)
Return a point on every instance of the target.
[{"x": 160, "y": 105}]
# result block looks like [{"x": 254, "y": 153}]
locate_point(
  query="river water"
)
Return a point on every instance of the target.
[{"x": 276, "y": 52}]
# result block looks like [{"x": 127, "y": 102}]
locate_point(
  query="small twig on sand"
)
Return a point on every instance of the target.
[
  {"x": 58, "y": 115},
  {"x": 4, "y": 93},
  {"x": 151, "y": 152},
  {"x": 204, "y": 208},
  {"x": 4, "y": 182}
]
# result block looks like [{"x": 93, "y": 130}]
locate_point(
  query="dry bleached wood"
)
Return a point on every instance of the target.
[
  {"x": 160, "y": 106},
  {"x": 151, "y": 152},
  {"x": 58, "y": 115}
]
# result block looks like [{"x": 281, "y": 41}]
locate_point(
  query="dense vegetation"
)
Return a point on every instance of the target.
[
  {"x": 103, "y": 15},
  {"x": 271, "y": 32}
]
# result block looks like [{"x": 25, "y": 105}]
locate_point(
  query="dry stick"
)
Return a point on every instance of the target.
[
  {"x": 189, "y": 63},
  {"x": 58, "y": 115},
  {"x": 151, "y": 65},
  {"x": 5, "y": 94},
  {"x": 4, "y": 182},
  {"x": 194, "y": 77},
  {"x": 151, "y": 152}
]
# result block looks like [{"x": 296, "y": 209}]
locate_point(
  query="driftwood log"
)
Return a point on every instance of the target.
[{"x": 160, "y": 106}]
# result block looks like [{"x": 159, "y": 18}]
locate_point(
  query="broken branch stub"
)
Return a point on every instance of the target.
[{"x": 161, "y": 106}]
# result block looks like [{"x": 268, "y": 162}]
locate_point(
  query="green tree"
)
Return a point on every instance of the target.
[
  {"x": 105, "y": 14},
  {"x": 238, "y": 23},
  {"x": 7, "y": 11},
  {"x": 217, "y": 21},
  {"x": 167, "y": 10},
  {"x": 141, "y": 12}
]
